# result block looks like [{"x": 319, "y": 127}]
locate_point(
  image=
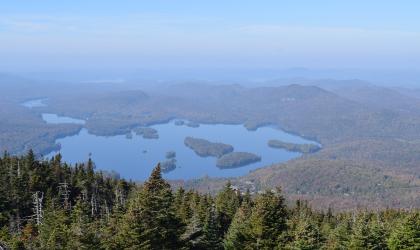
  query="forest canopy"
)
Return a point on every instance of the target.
[{"x": 48, "y": 204}]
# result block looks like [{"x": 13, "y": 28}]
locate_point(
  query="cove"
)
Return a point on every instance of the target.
[{"x": 134, "y": 157}]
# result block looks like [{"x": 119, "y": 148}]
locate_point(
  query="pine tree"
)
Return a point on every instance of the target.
[
  {"x": 211, "y": 231},
  {"x": 377, "y": 239},
  {"x": 338, "y": 238},
  {"x": 305, "y": 235},
  {"x": 367, "y": 233},
  {"x": 238, "y": 235},
  {"x": 110, "y": 232},
  {"x": 227, "y": 202},
  {"x": 406, "y": 235},
  {"x": 81, "y": 230},
  {"x": 153, "y": 215},
  {"x": 54, "y": 231},
  {"x": 193, "y": 235},
  {"x": 268, "y": 220}
]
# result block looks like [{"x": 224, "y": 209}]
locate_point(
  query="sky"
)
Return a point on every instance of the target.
[{"x": 128, "y": 34}]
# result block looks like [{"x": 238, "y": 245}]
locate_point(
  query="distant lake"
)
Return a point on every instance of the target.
[{"x": 135, "y": 158}]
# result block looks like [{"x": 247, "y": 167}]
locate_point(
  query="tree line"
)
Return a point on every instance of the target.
[{"x": 48, "y": 204}]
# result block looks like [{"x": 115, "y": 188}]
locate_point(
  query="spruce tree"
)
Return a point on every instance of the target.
[
  {"x": 367, "y": 233},
  {"x": 54, "y": 230},
  {"x": 268, "y": 220},
  {"x": 81, "y": 229},
  {"x": 153, "y": 215},
  {"x": 211, "y": 231},
  {"x": 339, "y": 237},
  {"x": 238, "y": 235},
  {"x": 305, "y": 235},
  {"x": 194, "y": 233},
  {"x": 227, "y": 202},
  {"x": 406, "y": 235}
]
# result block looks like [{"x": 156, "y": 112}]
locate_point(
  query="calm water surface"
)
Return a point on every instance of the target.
[{"x": 135, "y": 158}]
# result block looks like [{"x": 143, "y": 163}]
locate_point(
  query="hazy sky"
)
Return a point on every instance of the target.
[{"x": 52, "y": 34}]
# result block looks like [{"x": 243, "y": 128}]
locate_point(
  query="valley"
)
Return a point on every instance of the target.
[{"x": 354, "y": 134}]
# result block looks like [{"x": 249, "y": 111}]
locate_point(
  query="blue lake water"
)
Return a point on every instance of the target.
[{"x": 135, "y": 158}]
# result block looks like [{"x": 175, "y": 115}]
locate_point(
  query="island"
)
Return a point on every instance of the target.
[
  {"x": 301, "y": 148},
  {"x": 206, "y": 148},
  {"x": 179, "y": 122},
  {"x": 129, "y": 136},
  {"x": 193, "y": 124},
  {"x": 147, "y": 133},
  {"x": 237, "y": 159},
  {"x": 168, "y": 165},
  {"x": 170, "y": 155}
]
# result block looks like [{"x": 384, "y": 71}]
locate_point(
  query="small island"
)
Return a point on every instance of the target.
[
  {"x": 237, "y": 159},
  {"x": 179, "y": 122},
  {"x": 193, "y": 124},
  {"x": 170, "y": 155},
  {"x": 147, "y": 133},
  {"x": 206, "y": 148},
  {"x": 301, "y": 148},
  {"x": 129, "y": 135},
  {"x": 168, "y": 165}
]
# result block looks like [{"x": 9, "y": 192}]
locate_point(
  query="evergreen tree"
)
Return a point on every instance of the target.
[
  {"x": 305, "y": 235},
  {"x": 193, "y": 235},
  {"x": 367, "y": 234},
  {"x": 54, "y": 231},
  {"x": 406, "y": 235},
  {"x": 238, "y": 235},
  {"x": 227, "y": 202},
  {"x": 268, "y": 220},
  {"x": 81, "y": 230},
  {"x": 211, "y": 232},
  {"x": 338, "y": 238},
  {"x": 130, "y": 216},
  {"x": 154, "y": 216}
]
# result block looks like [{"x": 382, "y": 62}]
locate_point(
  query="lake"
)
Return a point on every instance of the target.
[{"x": 135, "y": 157}]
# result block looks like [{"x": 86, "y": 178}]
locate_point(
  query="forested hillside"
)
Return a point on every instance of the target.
[{"x": 47, "y": 204}]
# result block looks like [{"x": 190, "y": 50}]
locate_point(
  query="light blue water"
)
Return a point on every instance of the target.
[{"x": 127, "y": 157}]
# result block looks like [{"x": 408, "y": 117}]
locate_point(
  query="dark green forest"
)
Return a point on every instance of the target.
[{"x": 48, "y": 204}]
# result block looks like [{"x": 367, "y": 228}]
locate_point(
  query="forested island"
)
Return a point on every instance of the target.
[
  {"x": 48, "y": 204},
  {"x": 205, "y": 148},
  {"x": 301, "y": 148},
  {"x": 179, "y": 122},
  {"x": 224, "y": 152},
  {"x": 170, "y": 155},
  {"x": 147, "y": 133},
  {"x": 237, "y": 159},
  {"x": 168, "y": 165},
  {"x": 193, "y": 124}
]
